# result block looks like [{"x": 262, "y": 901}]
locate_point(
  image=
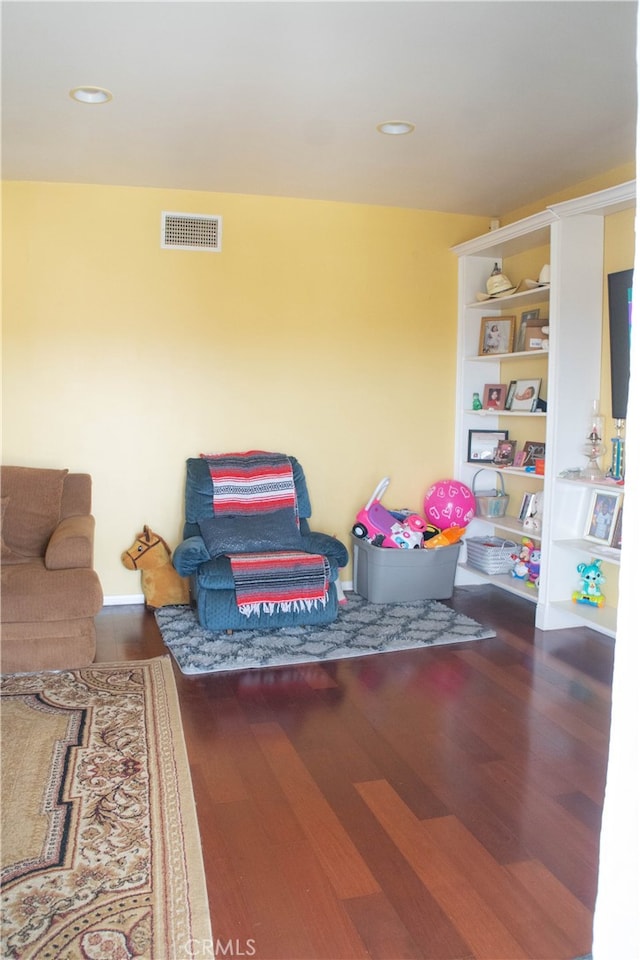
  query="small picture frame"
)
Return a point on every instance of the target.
[
  {"x": 533, "y": 450},
  {"x": 525, "y": 395},
  {"x": 616, "y": 539},
  {"x": 518, "y": 460},
  {"x": 495, "y": 395},
  {"x": 505, "y": 453},
  {"x": 511, "y": 389},
  {"x": 527, "y": 317},
  {"x": 602, "y": 516},
  {"x": 526, "y": 506},
  {"x": 482, "y": 444},
  {"x": 496, "y": 335}
]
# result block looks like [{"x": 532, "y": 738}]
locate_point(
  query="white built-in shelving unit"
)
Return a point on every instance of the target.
[{"x": 573, "y": 234}]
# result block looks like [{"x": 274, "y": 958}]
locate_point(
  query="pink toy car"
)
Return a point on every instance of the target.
[{"x": 385, "y": 529}]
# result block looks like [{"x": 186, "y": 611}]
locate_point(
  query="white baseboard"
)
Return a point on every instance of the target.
[
  {"x": 124, "y": 600},
  {"x": 137, "y": 598}
]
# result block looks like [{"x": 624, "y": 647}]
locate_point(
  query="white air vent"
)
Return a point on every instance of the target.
[{"x": 191, "y": 231}]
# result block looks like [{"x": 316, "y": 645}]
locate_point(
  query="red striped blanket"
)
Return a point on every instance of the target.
[
  {"x": 251, "y": 482},
  {"x": 284, "y": 580}
]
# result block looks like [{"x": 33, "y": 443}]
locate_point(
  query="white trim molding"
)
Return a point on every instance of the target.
[{"x": 126, "y": 599}]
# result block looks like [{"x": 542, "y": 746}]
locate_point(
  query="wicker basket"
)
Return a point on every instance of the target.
[
  {"x": 490, "y": 503},
  {"x": 490, "y": 554}
]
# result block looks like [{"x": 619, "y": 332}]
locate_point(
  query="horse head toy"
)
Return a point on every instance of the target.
[{"x": 162, "y": 585}]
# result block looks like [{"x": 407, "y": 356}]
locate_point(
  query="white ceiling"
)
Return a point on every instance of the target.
[{"x": 512, "y": 100}]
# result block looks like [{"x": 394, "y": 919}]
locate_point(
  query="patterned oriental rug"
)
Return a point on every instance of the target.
[
  {"x": 362, "y": 628},
  {"x": 101, "y": 853}
]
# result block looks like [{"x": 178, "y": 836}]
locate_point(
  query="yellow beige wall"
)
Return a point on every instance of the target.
[{"x": 324, "y": 330}]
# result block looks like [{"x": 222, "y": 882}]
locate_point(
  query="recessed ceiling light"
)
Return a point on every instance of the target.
[
  {"x": 396, "y": 128},
  {"x": 91, "y": 94}
]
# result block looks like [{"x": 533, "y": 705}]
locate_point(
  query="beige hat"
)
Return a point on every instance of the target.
[
  {"x": 544, "y": 281},
  {"x": 498, "y": 285}
]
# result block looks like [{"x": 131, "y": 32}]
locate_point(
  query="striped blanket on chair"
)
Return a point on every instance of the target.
[
  {"x": 250, "y": 483},
  {"x": 255, "y": 483},
  {"x": 283, "y": 580}
]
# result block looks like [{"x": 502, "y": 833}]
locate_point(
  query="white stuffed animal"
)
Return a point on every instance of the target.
[{"x": 533, "y": 522}]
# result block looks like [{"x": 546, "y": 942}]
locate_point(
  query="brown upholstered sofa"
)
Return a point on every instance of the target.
[{"x": 50, "y": 591}]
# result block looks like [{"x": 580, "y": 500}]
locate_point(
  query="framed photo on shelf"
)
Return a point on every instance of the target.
[
  {"x": 511, "y": 389},
  {"x": 602, "y": 516},
  {"x": 616, "y": 539},
  {"x": 537, "y": 336},
  {"x": 533, "y": 450},
  {"x": 495, "y": 395},
  {"x": 518, "y": 460},
  {"x": 526, "y": 506},
  {"x": 505, "y": 453},
  {"x": 525, "y": 395},
  {"x": 483, "y": 444},
  {"x": 496, "y": 335},
  {"x": 529, "y": 316}
]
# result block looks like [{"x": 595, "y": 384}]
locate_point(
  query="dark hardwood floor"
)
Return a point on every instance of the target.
[{"x": 439, "y": 803}]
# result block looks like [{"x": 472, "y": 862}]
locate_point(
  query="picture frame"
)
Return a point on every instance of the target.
[
  {"x": 526, "y": 506},
  {"x": 494, "y": 397},
  {"x": 511, "y": 389},
  {"x": 536, "y": 339},
  {"x": 616, "y": 539},
  {"x": 525, "y": 395},
  {"x": 505, "y": 453},
  {"x": 496, "y": 335},
  {"x": 518, "y": 460},
  {"x": 533, "y": 450},
  {"x": 482, "y": 445},
  {"x": 528, "y": 316},
  {"x": 602, "y": 516}
]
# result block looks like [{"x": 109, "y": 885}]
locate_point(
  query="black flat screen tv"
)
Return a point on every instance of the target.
[{"x": 620, "y": 294}]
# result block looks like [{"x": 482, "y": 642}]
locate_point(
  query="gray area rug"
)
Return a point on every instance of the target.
[{"x": 362, "y": 628}]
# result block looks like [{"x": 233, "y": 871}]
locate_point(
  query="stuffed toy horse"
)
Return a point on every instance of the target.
[{"x": 162, "y": 585}]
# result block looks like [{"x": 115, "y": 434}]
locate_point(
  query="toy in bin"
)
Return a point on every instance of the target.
[
  {"x": 386, "y": 528},
  {"x": 449, "y": 503},
  {"x": 444, "y": 538}
]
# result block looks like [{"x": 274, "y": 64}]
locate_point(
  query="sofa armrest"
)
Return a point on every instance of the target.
[
  {"x": 188, "y": 556},
  {"x": 70, "y": 546},
  {"x": 326, "y": 545}
]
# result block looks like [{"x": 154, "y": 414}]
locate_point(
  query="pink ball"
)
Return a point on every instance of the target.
[{"x": 449, "y": 503}]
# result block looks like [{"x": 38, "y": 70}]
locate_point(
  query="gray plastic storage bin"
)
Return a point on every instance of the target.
[{"x": 386, "y": 575}]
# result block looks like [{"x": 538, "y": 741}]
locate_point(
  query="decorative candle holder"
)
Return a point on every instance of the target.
[{"x": 594, "y": 447}]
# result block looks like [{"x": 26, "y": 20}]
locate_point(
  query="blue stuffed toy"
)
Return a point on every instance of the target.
[{"x": 592, "y": 579}]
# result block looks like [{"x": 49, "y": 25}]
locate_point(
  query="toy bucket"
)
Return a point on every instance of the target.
[{"x": 490, "y": 503}]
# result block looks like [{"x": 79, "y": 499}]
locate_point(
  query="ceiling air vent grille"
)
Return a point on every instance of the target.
[{"x": 191, "y": 231}]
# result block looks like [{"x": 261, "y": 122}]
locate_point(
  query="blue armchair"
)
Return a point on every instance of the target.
[{"x": 255, "y": 569}]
